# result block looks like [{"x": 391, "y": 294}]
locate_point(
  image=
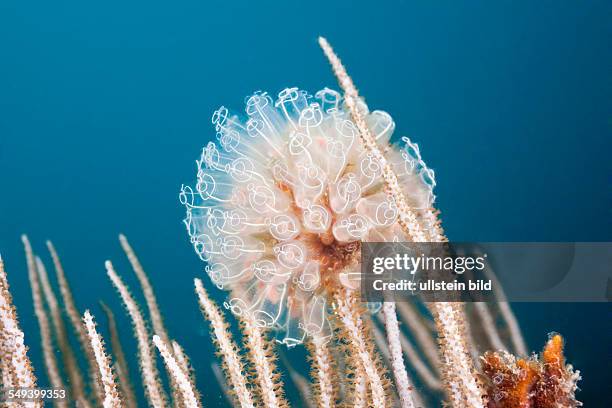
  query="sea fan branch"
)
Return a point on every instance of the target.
[
  {"x": 148, "y": 368},
  {"x": 151, "y": 301},
  {"x": 322, "y": 371},
  {"x": 77, "y": 385},
  {"x": 14, "y": 351},
  {"x": 154, "y": 313},
  {"x": 75, "y": 320},
  {"x": 406, "y": 217},
  {"x": 121, "y": 365},
  {"x": 180, "y": 377},
  {"x": 226, "y": 347},
  {"x": 402, "y": 383},
  {"x": 460, "y": 360},
  {"x": 46, "y": 337},
  {"x": 263, "y": 361},
  {"x": 183, "y": 361},
  {"x": 349, "y": 316},
  {"x": 459, "y": 373},
  {"x": 107, "y": 377},
  {"x": 518, "y": 342}
]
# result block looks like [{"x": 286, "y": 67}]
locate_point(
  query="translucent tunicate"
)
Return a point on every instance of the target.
[{"x": 284, "y": 199}]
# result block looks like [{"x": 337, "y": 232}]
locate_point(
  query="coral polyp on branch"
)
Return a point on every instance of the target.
[
  {"x": 536, "y": 382},
  {"x": 284, "y": 199}
]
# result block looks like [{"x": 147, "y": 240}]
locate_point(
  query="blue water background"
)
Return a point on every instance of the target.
[{"x": 104, "y": 106}]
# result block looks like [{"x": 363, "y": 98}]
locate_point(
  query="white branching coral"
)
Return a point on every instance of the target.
[
  {"x": 283, "y": 202},
  {"x": 263, "y": 362},
  {"x": 75, "y": 320},
  {"x": 402, "y": 383},
  {"x": 46, "y": 338},
  {"x": 150, "y": 375},
  {"x": 147, "y": 289},
  {"x": 348, "y": 312},
  {"x": 107, "y": 377},
  {"x": 226, "y": 346},
  {"x": 458, "y": 367},
  {"x": 183, "y": 362},
  {"x": 322, "y": 372},
  {"x": 16, "y": 367},
  {"x": 71, "y": 366},
  {"x": 181, "y": 378}
]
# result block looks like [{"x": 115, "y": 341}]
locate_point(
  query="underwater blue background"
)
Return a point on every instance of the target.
[{"x": 104, "y": 107}]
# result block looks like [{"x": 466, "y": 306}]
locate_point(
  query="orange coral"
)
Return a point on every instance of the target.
[
  {"x": 544, "y": 382},
  {"x": 509, "y": 380},
  {"x": 558, "y": 384}
]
